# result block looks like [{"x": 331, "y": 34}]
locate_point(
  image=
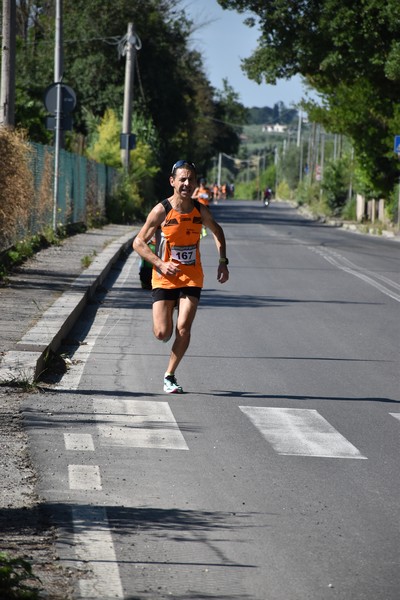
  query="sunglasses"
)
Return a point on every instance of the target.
[{"x": 183, "y": 163}]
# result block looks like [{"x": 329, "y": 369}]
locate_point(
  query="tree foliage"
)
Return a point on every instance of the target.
[
  {"x": 171, "y": 90},
  {"x": 279, "y": 113},
  {"x": 349, "y": 52}
]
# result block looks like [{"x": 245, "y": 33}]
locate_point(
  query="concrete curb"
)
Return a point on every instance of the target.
[{"x": 28, "y": 361}]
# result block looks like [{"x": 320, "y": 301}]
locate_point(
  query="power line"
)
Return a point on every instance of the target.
[{"x": 115, "y": 40}]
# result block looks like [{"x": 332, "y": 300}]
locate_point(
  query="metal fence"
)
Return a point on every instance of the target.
[
  {"x": 83, "y": 191},
  {"x": 84, "y": 186}
]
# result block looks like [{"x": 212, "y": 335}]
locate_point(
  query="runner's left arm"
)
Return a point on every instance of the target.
[{"x": 220, "y": 242}]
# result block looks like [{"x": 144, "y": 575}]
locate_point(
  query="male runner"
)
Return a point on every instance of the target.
[{"x": 178, "y": 277}]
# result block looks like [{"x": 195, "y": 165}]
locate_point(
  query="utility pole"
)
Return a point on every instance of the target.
[
  {"x": 58, "y": 72},
  {"x": 258, "y": 178},
  {"x": 130, "y": 53},
  {"x": 219, "y": 169},
  {"x": 7, "y": 90},
  {"x": 299, "y": 129}
]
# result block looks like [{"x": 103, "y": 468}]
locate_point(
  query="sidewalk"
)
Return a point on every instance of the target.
[
  {"x": 40, "y": 303},
  {"x": 46, "y": 295}
]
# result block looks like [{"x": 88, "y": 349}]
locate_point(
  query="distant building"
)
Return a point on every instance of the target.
[{"x": 275, "y": 128}]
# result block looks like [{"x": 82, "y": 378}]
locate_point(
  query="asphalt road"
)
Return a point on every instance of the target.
[{"x": 276, "y": 475}]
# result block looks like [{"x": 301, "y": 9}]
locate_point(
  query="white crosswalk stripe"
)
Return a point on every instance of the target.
[
  {"x": 84, "y": 477},
  {"x": 138, "y": 424},
  {"x": 72, "y": 377},
  {"x": 300, "y": 432},
  {"x": 94, "y": 546},
  {"x": 82, "y": 442}
]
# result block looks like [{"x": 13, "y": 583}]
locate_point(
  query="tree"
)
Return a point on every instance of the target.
[
  {"x": 171, "y": 90},
  {"x": 348, "y": 52},
  {"x": 230, "y": 115},
  {"x": 7, "y": 76}
]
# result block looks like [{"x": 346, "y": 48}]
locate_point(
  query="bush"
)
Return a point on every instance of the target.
[
  {"x": 307, "y": 193},
  {"x": 15, "y": 575},
  {"x": 283, "y": 191},
  {"x": 244, "y": 191},
  {"x": 16, "y": 186},
  {"x": 336, "y": 184},
  {"x": 392, "y": 205},
  {"x": 126, "y": 205},
  {"x": 349, "y": 210}
]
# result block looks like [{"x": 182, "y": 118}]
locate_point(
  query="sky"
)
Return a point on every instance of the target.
[{"x": 224, "y": 40}]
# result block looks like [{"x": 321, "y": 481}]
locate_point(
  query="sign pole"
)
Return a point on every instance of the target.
[
  {"x": 398, "y": 206},
  {"x": 57, "y": 79},
  {"x": 397, "y": 150},
  {"x": 130, "y": 51}
]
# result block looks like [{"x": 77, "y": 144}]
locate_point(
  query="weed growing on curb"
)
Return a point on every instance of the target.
[
  {"x": 15, "y": 575},
  {"x": 24, "y": 383},
  {"x": 87, "y": 260}
]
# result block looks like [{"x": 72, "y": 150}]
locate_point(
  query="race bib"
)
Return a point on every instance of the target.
[{"x": 184, "y": 254}]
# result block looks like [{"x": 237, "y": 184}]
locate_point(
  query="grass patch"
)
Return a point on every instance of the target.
[
  {"x": 87, "y": 260},
  {"x": 26, "y": 248},
  {"x": 21, "y": 381},
  {"x": 16, "y": 579}
]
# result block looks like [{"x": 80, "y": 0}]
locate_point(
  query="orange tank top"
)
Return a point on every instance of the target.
[
  {"x": 204, "y": 195},
  {"x": 178, "y": 239}
]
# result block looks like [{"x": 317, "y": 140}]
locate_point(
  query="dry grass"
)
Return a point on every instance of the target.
[
  {"x": 27, "y": 192},
  {"x": 16, "y": 186},
  {"x": 44, "y": 199}
]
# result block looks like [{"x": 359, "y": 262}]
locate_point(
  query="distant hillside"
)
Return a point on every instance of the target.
[{"x": 278, "y": 114}]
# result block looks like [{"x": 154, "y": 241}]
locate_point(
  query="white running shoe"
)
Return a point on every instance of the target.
[{"x": 171, "y": 385}]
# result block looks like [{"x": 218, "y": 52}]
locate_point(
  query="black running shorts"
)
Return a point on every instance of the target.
[{"x": 175, "y": 293}]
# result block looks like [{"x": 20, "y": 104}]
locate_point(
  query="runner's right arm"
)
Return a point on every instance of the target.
[{"x": 140, "y": 243}]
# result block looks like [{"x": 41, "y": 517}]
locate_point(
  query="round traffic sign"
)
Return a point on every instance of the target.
[{"x": 68, "y": 98}]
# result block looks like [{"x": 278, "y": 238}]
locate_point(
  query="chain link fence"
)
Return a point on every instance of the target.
[{"x": 84, "y": 188}]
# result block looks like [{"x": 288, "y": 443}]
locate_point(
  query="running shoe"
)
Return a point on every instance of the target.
[{"x": 171, "y": 385}]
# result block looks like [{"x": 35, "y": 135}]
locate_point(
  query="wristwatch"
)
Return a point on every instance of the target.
[{"x": 224, "y": 261}]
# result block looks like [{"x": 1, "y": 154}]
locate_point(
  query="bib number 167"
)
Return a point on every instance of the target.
[{"x": 185, "y": 255}]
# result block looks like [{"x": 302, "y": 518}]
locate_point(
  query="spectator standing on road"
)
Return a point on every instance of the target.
[{"x": 178, "y": 276}]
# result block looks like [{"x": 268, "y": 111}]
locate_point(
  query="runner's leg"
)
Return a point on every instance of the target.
[
  {"x": 162, "y": 319},
  {"x": 187, "y": 308}
]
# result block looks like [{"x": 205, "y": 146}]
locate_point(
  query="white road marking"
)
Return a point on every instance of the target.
[
  {"x": 138, "y": 424},
  {"x": 79, "y": 441},
  {"x": 72, "y": 377},
  {"x": 395, "y": 415},
  {"x": 335, "y": 259},
  {"x": 84, "y": 477},
  {"x": 133, "y": 261},
  {"x": 94, "y": 546},
  {"x": 92, "y": 536},
  {"x": 300, "y": 432}
]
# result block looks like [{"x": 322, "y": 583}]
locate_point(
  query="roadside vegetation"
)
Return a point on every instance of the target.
[
  {"x": 349, "y": 55},
  {"x": 326, "y": 152},
  {"x": 17, "y": 581},
  {"x": 317, "y": 169}
]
